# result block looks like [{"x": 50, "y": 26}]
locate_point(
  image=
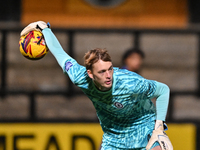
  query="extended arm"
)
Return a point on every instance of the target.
[
  {"x": 67, "y": 63},
  {"x": 55, "y": 47}
]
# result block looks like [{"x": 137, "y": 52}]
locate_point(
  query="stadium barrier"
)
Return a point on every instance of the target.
[{"x": 77, "y": 136}]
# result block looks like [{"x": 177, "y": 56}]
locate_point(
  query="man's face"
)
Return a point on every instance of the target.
[{"x": 102, "y": 74}]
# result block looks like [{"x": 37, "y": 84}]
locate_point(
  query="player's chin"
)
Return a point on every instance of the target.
[{"x": 108, "y": 85}]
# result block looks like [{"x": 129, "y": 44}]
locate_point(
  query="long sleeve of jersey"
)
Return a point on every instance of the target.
[
  {"x": 162, "y": 101},
  {"x": 64, "y": 60},
  {"x": 55, "y": 47}
]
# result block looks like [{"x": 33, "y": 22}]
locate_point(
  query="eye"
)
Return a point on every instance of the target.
[
  {"x": 111, "y": 68},
  {"x": 102, "y": 71}
]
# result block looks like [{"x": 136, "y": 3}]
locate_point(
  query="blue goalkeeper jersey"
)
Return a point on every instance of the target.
[
  {"x": 126, "y": 112},
  {"x": 125, "y": 104}
]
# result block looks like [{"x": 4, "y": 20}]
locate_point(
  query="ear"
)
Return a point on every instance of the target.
[{"x": 89, "y": 72}]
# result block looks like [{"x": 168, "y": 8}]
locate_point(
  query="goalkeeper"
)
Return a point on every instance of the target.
[{"x": 122, "y": 98}]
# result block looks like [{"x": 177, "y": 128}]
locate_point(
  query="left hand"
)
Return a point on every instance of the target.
[
  {"x": 160, "y": 136},
  {"x": 38, "y": 26}
]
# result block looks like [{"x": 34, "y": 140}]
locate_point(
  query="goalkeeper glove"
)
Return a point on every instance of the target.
[
  {"x": 38, "y": 26},
  {"x": 160, "y": 136}
]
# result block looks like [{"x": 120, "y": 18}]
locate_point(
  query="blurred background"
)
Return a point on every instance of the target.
[{"x": 40, "y": 106}]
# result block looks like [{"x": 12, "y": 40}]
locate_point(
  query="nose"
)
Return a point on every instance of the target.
[{"x": 108, "y": 74}]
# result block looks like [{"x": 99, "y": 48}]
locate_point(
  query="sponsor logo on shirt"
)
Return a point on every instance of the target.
[{"x": 68, "y": 65}]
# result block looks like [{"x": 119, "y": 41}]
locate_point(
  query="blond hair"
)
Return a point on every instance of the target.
[{"x": 94, "y": 55}]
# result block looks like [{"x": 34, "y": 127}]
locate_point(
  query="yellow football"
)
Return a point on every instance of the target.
[{"x": 33, "y": 46}]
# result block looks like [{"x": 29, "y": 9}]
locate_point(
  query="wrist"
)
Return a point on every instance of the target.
[{"x": 159, "y": 125}]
